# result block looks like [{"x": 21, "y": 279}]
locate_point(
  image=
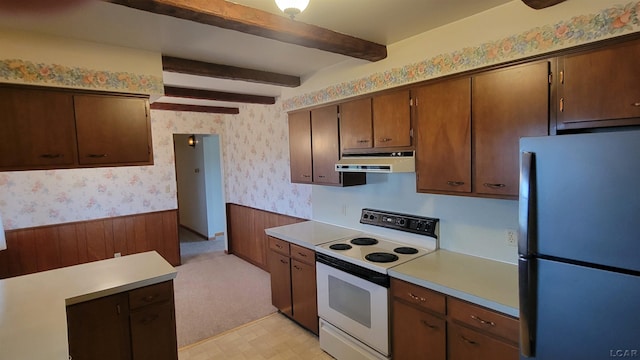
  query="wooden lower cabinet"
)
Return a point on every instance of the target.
[
  {"x": 293, "y": 282},
  {"x": 139, "y": 324},
  {"x": 417, "y": 334},
  {"x": 429, "y": 325}
]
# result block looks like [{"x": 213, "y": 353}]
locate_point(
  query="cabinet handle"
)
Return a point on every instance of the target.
[
  {"x": 283, "y": 261},
  {"x": 51, "y": 156},
  {"x": 636, "y": 104},
  {"x": 321, "y": 176},
  {"x": 302, "y": 254},
  {"x": 279, "y": 246},
  {"x": 363, "y": 141},
  {"x": 149, "y": 298},
  {"x": 468, "y": 341},
  {"x": 494, "y": 186},
  {"x": 149, "y": 319},
  {"x": 97, "y": 155},
  {"x": 306, "y": 176},
  {"x": 455, "y": 183},
  {"x": 414, "y": 297},
  {"x": 425, "y": 323},
  {"x": 561, "y": 104},
  {"x": 297, "y": 267},
  {"x": 385, "y": 139},
  {"x": 483, "y": 322}
]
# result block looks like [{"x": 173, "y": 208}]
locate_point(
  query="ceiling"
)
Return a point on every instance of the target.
[{"x": 115, "y": 24}]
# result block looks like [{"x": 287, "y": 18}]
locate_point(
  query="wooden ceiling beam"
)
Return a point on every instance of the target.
[
  {"x": 227, "y": 15},
  {"x": 193, "y": 67},
  {"x": 195, "y": 108},
  {"x": 217, "y": 95}
]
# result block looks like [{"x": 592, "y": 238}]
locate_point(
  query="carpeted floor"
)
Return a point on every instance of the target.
[{"x": 216, "y": 292}]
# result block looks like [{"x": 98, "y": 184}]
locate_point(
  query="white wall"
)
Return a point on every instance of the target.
[
  {"x": 468, "y": 225},
  {"x": 216, "y": 219}
]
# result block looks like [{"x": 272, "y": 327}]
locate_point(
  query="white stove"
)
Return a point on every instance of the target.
[{"x": 353, "y": 283}]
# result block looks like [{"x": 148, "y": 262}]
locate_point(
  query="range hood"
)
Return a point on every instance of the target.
[{"x": 394, "y": 162}]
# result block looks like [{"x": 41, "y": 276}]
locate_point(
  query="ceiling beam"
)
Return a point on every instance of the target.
[
  {"x": 195, "y": 108},
  {"x": 541, "y": 4},
  {"x": 193, "y": 67},
  {"x": 217, "y": 95},
  {"x": 227, "y": 15}
]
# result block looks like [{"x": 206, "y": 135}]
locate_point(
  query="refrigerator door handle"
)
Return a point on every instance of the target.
[
  {"x": 526, "y": 203},
  {"x": 528, "y": 306}
]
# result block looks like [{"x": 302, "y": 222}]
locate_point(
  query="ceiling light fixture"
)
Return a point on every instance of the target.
[{"x": 292, "y": 7}]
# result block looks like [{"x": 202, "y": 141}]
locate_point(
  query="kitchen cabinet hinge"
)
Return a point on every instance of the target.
[
  {"x": 411, "y": 102},
  {"x": 411, "y": 133},
  {"x": 550, "y": 78}
]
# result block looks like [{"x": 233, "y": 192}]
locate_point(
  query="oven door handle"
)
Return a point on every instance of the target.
[{"x": 355, "y": 270}]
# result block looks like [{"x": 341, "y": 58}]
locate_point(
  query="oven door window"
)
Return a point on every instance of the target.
[{"x": 350, "y": 300}]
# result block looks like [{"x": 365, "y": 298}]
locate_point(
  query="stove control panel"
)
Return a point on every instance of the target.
[{"x": 403, "y": 222}]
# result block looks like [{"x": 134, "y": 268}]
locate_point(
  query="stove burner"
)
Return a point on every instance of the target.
[
  {"x": 381, "y": 257},
  {"x": 405, "y": 250},
  {"x": 364, "y": 241},
  {"x": 340, "y": 247}
]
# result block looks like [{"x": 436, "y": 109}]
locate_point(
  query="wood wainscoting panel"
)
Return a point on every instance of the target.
[{"x": 53, "y": 246}]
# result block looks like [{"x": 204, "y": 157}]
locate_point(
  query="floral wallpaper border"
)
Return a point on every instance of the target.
[
  {"x": 580, "y": 29},
  {"x": 78, "y": 77}
]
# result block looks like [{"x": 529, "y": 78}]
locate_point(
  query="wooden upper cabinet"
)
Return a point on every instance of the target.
[
  {"x": 507, "y": 104},
  {"x": 443, "y": 141},
  {"x": 37, "y": 129},
  {"x": 300, "y": 147},
  {"x": 356, "y": 127},
  {"x": 112, "y": 130},
  {"x": 392, "y": 120},
  {"x": 325, "y": 144},
  {"x": 599, "y": 88}
]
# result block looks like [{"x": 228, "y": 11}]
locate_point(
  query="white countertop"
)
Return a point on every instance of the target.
[
  {"x": 488, "y": 283},
  {"x": 33, "y": 318},
  {"x": 310, "y": 233}
]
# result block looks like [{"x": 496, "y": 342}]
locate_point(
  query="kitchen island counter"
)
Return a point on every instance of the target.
[
  {"x": 33, "y": 320},
  {"x": 488, "y": 283},
  {"x": 308, "y": 234}
]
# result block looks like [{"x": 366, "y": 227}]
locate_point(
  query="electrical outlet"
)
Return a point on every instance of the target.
[
  {"x": 512, "y": 237},
  {"x": 116, "y": 255}
]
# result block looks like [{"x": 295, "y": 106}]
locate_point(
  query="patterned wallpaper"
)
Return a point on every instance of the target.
[
  {"x": 617, "y": 20},
  {"x": 29, "y": 72}
]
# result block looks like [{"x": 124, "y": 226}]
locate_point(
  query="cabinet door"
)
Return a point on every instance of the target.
[
  {"x": 112, "y": 130},
  {"x": 280, "y": 269},
  {"x": 303, "y": 290},
  {"x": 443, "y": 144},
  {"x": 392, "y": 120},
  {"x": 300, "y": 147},
  {"x": 153, "y": 332},
  {"x": 356, "y": 131},
  {"x": 467, "y": 344},
  {"x": 417, "y": 334},
  {"x": 99, "y": 329},
  {"x": 37, "y": 129},
  {"x": 507, "y": 105},
  {"x": 600, "y": 88},
  {"x": 325, "y": 145}
]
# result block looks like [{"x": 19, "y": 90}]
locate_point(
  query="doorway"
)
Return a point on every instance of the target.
[{"x": 200, "y": 193}]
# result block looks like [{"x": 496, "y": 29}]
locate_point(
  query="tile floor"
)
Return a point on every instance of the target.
[{"x": 272, "y": 337}]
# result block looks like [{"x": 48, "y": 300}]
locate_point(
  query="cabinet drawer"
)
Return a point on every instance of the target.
[
  {"x": 279, "y": 246},
  {"x": 152, "y": 294},
  {"x": 303, "y": 254},
  {"x": 464, "y": 343},
  {"x": 485, "y": 319},
  {"x": 414, "y": 294}
]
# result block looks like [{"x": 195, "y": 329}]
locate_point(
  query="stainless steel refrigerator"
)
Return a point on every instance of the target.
[{"x": 579, "y": 246}]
